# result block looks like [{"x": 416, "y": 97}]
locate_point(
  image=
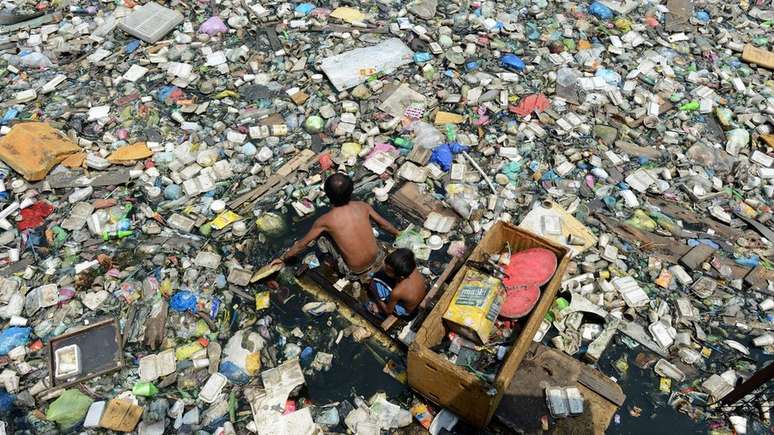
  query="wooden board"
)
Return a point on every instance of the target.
[
  {"x": 524, "y": 401},
  {"x": 417, "y": 204},
  {"x": 280, "y": 178}
]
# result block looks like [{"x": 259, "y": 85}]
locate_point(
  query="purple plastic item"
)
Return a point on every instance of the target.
[{"x": 213, "y": 26}]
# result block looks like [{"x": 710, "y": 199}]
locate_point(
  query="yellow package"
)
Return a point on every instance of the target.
[
  {"x": 261, "y": 300},
  {"x": 475, "y": 306},
  {"x": 224, "y": 219}
]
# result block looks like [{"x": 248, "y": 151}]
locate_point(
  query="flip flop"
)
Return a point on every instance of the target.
[
  {"x": 519, "y": 301},
  {"x": 526, "y": 272},
  {"x": 533, "y": 266}
]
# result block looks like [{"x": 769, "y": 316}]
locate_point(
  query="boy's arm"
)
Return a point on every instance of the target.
[
  {"x": 382, "y": 222},
  {"x": 317, "y": 229},
  {"x": 386, "y": 308}
]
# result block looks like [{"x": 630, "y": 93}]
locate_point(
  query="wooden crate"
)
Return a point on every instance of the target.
[{"x": 453, "y": 387}]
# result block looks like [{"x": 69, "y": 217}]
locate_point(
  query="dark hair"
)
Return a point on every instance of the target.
[
  {"x": 402, "y": 262},
  {"x": 338, "y": 188}
]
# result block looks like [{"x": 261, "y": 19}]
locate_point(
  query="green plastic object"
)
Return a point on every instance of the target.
[
  {"x": 690, "y": 106},
  {"x": 69, "y": 409},
  {"x": 145, "y": 389},
  {"x": 314, "y": 124}
]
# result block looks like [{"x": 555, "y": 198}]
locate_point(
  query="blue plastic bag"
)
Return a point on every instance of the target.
[
  {"x": 600, "y": 11},
  {"x": 443, "y": 155},
  {"x": 183, "y": 301},
  {"x": 6, "y": 402},
  {"x": 511, "y": 61},
  {"x": 233, "y": 373},
  {"x": 12, "y": 337}
]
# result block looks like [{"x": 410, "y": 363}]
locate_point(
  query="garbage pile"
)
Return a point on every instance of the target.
[{"x": 153, "y": 152}]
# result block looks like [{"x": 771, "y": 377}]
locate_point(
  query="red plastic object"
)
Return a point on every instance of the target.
[
  {"x": 527, "y": 271},
  {"x": 533, "y": 266},
  {"x": 519, "y": 301},
  {"x": 34, "y": 215}
]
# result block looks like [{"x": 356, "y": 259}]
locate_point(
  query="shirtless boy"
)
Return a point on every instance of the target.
[{"x": 348, "y": 223}]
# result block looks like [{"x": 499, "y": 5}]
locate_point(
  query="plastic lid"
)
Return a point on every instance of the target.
[{"x": 218, "y": 206}]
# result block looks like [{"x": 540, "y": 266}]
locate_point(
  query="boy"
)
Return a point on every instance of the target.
[
  {"x": 399, "y": 287},
  {"x": 348, "y": 224}
]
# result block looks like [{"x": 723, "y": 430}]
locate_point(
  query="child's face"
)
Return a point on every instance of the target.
[{"x": 390, "y": 271}]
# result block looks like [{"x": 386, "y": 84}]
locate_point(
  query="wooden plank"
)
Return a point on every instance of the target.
[
  {"x": 302, "y": 159},
  {"x": 601, "y": 385},
  {"x": 524, "y": 399},
  {"x": 680, "y": 212}
]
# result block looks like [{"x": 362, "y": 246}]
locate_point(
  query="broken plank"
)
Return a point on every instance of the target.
[
  {"x": 601, "y": 385},
  {"x": 697, "y": 256},
  {"x": 302, "y": 159}
]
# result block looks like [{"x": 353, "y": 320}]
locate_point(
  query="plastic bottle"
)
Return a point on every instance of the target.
[{"x": 426, "y": 136}]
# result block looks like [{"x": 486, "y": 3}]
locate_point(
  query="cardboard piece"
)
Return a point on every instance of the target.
[
  {"x": 448, "y": 118},
  {"x": 534, "y": 221},
  {"x": 34, "y": 148},
  {"x": 128, "y": 153},
  {"x": 349, "y": 15},
  {"x": 121, "y": 416},
  {"x": 758, "y": 56}
]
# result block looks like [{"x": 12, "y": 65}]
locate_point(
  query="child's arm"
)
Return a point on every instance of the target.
[{"x": 382, "y": 222}]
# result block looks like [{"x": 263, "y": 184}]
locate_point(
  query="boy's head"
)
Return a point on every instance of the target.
[
  {"x": 338, "y": 188},
  {"x": 400, "y": 264}
]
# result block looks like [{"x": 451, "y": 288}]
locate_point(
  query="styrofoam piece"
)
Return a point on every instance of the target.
[
  {"x": 212, "y": 388},
  {"x": 631, "y": 292},
  {"x": 151, "y": 21},
  {"x": 67, "y": 361},
  {"x": 95, "y": 414},
  {"x": 349, "y": 69}
]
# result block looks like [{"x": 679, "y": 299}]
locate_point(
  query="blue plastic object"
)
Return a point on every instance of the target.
[
  {"x": 600, "y": 11},
  {"x": 443, "y": 155},
  {"x": 233, "y": 373},
  {"x": 702, "y": 16},
  {"x": 183, "y": 301},
  {"x": 12, "y": 337},
  {"x": 511, "y": 61},
  {"x": 133, "y": 45},
  {"x": 305, "y": 8},
  {"x": 422, "y": 56},
  {"x": 6, "y": 402},
  {"x": 306, "y": 355}
]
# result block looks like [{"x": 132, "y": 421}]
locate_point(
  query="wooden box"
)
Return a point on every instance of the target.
[{"x": 453, "y": 387}]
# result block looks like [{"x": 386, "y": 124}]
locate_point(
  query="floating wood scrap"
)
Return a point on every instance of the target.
[
  {"x": 280, "y": 178},
  {"x": 416, "y": 204}
]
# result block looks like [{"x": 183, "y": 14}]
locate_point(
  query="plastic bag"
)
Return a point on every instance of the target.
[
  {"x": 271, "y": 224},
  {"x": 511, "y": 61},
  {"x": 213, "y": 26},
  {"x": 600, "y": 11},
  {"x": 12, "y": 337},
  {"x": 427, "y": 136},
  {"x": 408, "y": 239},
  {"x": 443, "y": 155},
  {"x": 183, "y": 301},
  {"x": 69, "y": 409}
]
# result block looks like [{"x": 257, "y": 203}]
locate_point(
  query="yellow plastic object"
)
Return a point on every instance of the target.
[{"x": 475, "y": 306}]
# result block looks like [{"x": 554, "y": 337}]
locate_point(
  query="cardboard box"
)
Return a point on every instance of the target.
[{"x": 453, "y": 387}]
